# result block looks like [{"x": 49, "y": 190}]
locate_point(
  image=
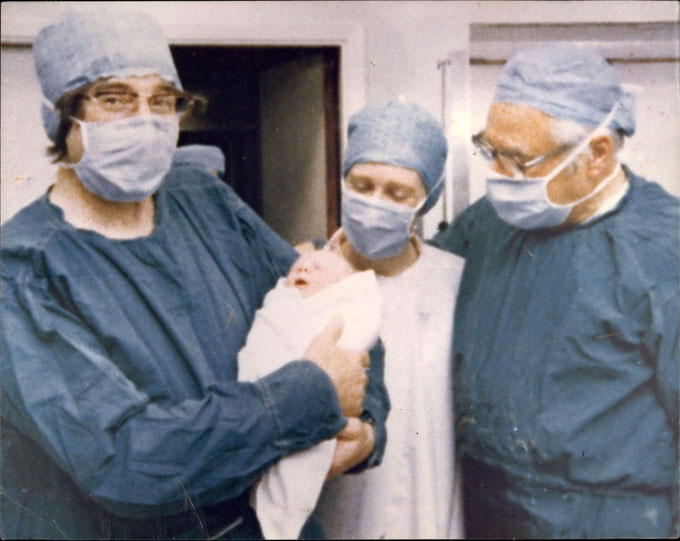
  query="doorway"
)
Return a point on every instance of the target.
[{"x": 274, "y": 112}]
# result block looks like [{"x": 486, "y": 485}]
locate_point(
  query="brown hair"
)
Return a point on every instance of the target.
[{"x": 68, "y": 106}]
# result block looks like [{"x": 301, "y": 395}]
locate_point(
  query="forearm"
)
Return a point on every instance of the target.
[{"x": 139, "y": 456}]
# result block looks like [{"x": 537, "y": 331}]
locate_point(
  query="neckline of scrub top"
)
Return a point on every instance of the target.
[{"x": 55, "y": 215}]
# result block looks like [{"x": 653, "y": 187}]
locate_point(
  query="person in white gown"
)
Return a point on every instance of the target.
[{"x": 393, "y": 172}]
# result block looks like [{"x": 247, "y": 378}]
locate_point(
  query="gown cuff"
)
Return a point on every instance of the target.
[{"x": 303, "y": 405}]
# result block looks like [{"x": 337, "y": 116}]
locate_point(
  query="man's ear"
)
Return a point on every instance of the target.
[{"x": 602, "y": 152}]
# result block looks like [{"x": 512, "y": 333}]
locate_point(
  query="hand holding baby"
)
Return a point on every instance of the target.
[
  {"x": 311, "y": 273},
  {"x": 345, "y": 367}
]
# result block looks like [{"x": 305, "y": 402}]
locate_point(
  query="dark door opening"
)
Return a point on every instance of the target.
[{"x": 249, "y": 91}]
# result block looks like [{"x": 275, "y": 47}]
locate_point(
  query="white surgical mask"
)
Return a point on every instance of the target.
[
  {"x": 524, "y": 202},
  {"x": 378, "y": 229},
  {"x": 126, "y": 160}
]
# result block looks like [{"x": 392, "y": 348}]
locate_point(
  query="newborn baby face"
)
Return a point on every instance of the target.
[{"x": 313, "y": 271}]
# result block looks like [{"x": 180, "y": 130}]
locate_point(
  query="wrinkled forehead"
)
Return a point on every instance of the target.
[{"x": 519, "y": 129}]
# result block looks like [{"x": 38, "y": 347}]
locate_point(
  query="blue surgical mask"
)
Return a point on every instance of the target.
[
  {"x": 126, "y": 160},
  {"x": 376, "y": 229},
  {"x": 524, "y": 202}
]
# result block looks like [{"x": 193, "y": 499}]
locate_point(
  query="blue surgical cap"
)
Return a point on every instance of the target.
[
  {"x": 567, "y": 82},
  {"x": 205, "y": 156},
  {"x": 84, "y": 45},
  {"x": 401, "y": 134}
]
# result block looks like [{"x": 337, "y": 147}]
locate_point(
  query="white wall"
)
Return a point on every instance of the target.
[
  {"x": 403, "y": 42},
  {"x": 25, "y": 171}
]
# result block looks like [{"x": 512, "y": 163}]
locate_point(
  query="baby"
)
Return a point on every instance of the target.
[
  {"x": 320, "y": 285},
  {"x": 314, "y": 271}
]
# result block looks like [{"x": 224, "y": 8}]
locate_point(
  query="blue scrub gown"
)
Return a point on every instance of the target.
[
  {"x": 566, "y": 371},
  {"x": 122, "y": 415}
]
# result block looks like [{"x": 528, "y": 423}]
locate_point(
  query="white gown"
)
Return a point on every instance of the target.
[{"x": 415, "y": 492}]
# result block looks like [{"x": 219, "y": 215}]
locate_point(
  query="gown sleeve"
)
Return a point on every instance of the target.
[
  {"x": 652, "y": 269},
  {"x": 661, "y": 345},
  {"x": 662, "y": 342},
  {"x": 136, "y": 454}
]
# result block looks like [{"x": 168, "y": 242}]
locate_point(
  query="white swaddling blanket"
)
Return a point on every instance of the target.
[{"x": 282, "y": 330}]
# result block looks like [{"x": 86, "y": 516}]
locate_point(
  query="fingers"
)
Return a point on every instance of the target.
[
  {"x": 333, "y": 330},
  {"x": 352, "y": 451},
  {"x": 363, "y": 363},
  {"x": 354, "y": 402},
  {"x": 321, "y": 348},
  {"x": 352, "y": 431},
  {"x": 365, "y": 360},
  {"x": 363, "y": 379},
  {"x": 346, "y": 368}
]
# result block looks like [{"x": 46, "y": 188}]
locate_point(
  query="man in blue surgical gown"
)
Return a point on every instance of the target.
[
  {"x": 127, "y": 291},
  {"x": 566, "y": 331}
]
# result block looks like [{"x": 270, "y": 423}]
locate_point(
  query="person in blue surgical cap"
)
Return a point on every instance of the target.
[
  {"x": 128, "y": 290},
  {"x": 393, "y": 173},
  {"x": 566, "y": 328}
]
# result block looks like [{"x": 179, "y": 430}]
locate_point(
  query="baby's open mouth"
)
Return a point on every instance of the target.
[{"x": 300, "y": 282}]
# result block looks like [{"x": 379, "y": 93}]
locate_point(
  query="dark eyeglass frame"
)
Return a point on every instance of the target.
[
  {"x": 128, "y": 101},
  {"x": 490, "y": 153}
]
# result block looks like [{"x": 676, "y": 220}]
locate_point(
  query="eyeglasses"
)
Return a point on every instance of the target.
[
  {"x": 121, "y": 101},
  {"x": 509, "y": 161}
]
